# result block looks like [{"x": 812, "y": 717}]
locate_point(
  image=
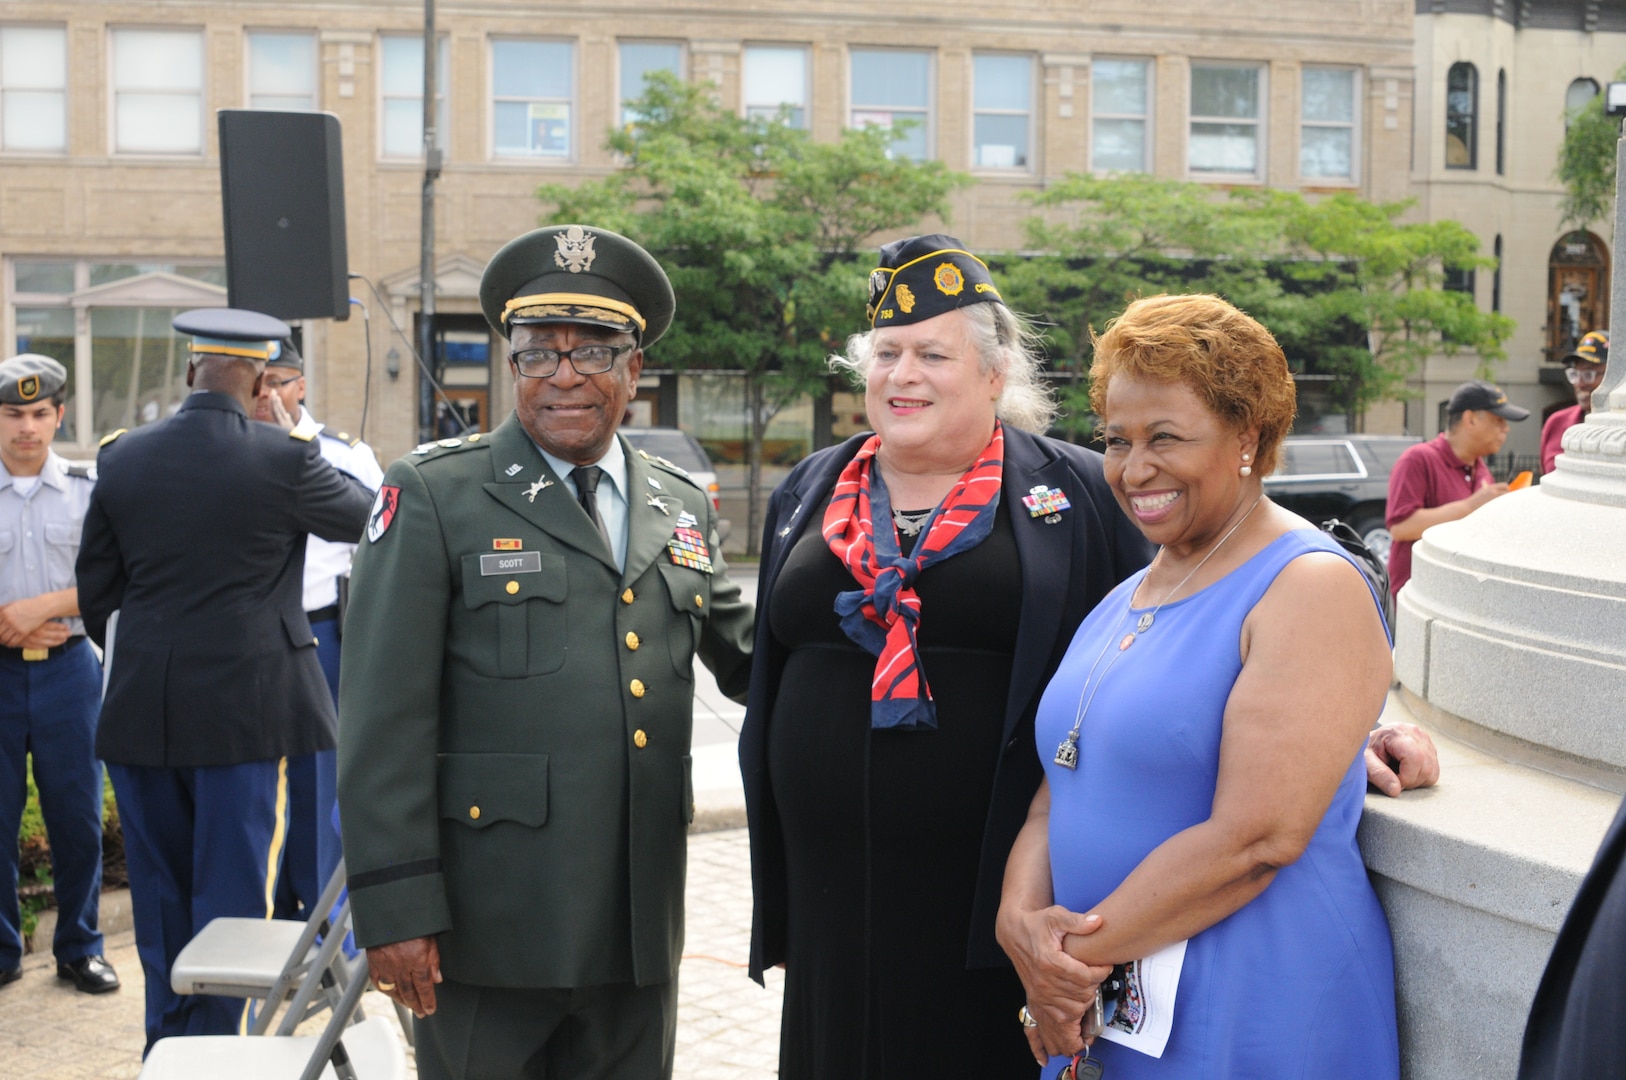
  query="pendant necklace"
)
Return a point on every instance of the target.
[{"x": 1067, "y": 752}]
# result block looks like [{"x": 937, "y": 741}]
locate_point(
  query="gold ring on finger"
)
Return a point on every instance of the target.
[{"x": 386, "y": 986}]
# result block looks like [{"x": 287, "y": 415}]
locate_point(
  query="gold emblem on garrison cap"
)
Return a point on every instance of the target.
[
  {"x": 575, "y": 249},
  {"x": 28, "y": 388},
  {"x": 948, "y": 279},
  {"x": 906, "y": 299}
]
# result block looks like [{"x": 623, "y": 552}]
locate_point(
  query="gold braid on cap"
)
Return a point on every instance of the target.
[
  {"x": 231, "y": 350},
  {"x": 581, "y": 300}
]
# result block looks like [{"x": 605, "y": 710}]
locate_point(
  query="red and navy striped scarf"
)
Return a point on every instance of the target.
[{"x": 884, "y": 616}]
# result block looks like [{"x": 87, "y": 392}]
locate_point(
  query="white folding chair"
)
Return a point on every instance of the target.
[
  {"x": 368, "y": 1050},
  {"x": 264, "y": 958}
]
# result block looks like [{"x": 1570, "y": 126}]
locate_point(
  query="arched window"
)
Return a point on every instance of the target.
[
  {"x": 1462, "y": 117},
  {"x": 1579, "y": 93}
]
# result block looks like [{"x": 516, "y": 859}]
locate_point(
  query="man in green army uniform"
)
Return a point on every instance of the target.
[{"x": 517, "y": 691}]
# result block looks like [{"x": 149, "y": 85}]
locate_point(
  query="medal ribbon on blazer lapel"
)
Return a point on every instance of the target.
[{"x": 884, "y": 615}]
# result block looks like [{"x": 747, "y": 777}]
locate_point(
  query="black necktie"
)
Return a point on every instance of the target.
[{"x": 587, "y": 478}]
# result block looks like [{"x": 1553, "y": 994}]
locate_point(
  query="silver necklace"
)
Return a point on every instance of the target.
[
  {"x": 910, "y": 522},
  {"x": 1067, "y": 752}
]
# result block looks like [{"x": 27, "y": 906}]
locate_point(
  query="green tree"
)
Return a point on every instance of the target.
[
  {"x": 759, "y": 228},
  {"x": 1586, "y": 163},
  {"x": 1349, "y": 289}
]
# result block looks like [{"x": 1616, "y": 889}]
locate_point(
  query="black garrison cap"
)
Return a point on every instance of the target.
[{"x": 925, "y": 276}]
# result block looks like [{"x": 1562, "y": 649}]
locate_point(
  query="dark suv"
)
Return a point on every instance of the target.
[{"x": 1340, "y": 476}]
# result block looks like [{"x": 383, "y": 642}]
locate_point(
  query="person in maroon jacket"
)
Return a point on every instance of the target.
[
  {"x": 1447, "y": 478},
  {"x": 1584, "y": 369}
]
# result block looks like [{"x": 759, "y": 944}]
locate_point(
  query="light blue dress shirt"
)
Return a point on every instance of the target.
[
  {"x": 612, "y": 493},
  {"x": 39, "y": 532}
]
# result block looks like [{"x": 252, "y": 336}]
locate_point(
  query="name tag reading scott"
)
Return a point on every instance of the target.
[{"x": 520, "y": 562}]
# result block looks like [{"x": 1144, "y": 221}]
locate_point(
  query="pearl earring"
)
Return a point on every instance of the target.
[{"x": 1246, "y": 470}]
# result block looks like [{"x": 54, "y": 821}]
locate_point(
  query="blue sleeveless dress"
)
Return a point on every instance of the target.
[{"x": 1298, "y": 983}]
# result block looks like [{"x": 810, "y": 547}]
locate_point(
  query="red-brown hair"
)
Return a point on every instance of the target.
[{"x": 1230, "y": 360}]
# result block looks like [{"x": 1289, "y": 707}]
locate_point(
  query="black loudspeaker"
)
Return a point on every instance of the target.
[{"x": 282, "y": 196}]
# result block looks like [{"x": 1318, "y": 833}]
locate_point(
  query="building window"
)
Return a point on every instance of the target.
[
  {"x": 281, "y": 71},
  {"x": 108, "y": 323},
  {"x": 1003, "y": 122},
  {"x": 1462, "y": 117},
  {"x": 776, "y": 79},
  {"x": 1501, "y": 121},
  {"x": 33, "y": 89},
  {"x": 1576, "y": 97},
  {"x": 531, "y": 91},
  {"x": 892, "y": 88},
  {"x": 1119, "y": 112},
  {"x": 1226, "y": 108},
  {"x": 1459, "y": 279},
  {"x": 1327, "y": 135},
  {"x": 400, "y": 80},
  {"x": 639, "y": 60},
  {"x": 157, "y": 92}
]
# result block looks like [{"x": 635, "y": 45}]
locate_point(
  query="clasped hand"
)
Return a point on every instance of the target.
[
  {"x": 26, "y": 624},
  {"x": 1060, "y": 989}
]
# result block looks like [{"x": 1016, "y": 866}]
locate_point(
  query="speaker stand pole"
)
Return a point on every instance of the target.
[{"x": 426, "y": 251}]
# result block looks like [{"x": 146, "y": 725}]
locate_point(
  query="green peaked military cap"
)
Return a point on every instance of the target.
[
  {"x": 577, "y": 274},
  {"x": 924, "y": 276},
  {"x": 30, "y": 377}
]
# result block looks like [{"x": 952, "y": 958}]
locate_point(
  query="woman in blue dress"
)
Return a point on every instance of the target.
[{"x": 1202, "y": 741}]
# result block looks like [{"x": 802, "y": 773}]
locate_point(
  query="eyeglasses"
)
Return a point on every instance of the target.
[
  {"x": 1576, "y": 376},
  {"x": 586, "y": 359},
  {"x": 278, "y": 384}
]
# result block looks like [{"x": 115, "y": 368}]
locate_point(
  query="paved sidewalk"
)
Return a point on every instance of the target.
[{"x": 728, "y": 1027}]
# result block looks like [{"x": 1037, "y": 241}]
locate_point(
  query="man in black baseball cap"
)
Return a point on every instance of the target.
[{"x": 1447, "y": 478}]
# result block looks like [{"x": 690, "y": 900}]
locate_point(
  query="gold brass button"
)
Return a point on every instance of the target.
[
  {"x": 639, "y": 739},
  {"x": 512, "y": 587},
  {"x": 637, "y": 688},
  {"x": 626, "y": 596},
  {"x": 698, "y": 602},
  {"x": 632, "y": 640},
  {"x": 474, "y": 812}
]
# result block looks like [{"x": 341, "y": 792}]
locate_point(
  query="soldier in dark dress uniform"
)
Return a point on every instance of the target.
[
  {"x": 517, "y": 693},
  {"x": 195, "y": 535}
]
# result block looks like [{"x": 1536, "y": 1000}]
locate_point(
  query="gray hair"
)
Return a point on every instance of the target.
[{"x": 1005, "y": 342}]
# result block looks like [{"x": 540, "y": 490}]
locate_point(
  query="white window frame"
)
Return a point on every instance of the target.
[
  {"x": 1261, "y": 123},
  {"x": 443, "y": 51},
  {"x": 682, "y": 70},
  {"x": 7, "y": 86},
  {"x": 1354, "y": 125},
  {"x": 248, "y": 63},
  {"x": 572, "y": 103},
  {"x": 1145, "y": 118},
  {"x": 747, "y": 105},
  {"x": 1031, "y": 112},
  {"x": 202, "y": 92},
  {"x": 930, "y": 124}
]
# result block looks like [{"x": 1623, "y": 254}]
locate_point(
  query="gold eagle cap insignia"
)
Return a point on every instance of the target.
[
  {"x": 575, "y": 249},
  {"x": 906, "y": 299},
  {"x": 948, "y": 279}
]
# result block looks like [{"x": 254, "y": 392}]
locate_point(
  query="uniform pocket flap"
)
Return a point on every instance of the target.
[
  {"x": 478, "y": 789},
  {"x": 61, "y": 533},
  {"x": 8, "y": 540},
  {"x": 298, "y": 628},
  {"x": 689, "y": 590},
  {"x": 513, "y": 577}
]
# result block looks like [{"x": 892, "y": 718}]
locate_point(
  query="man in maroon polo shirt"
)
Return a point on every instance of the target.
[
  {"x": 1584, "y": 369},
  {"x": 1447, "y": 479}
]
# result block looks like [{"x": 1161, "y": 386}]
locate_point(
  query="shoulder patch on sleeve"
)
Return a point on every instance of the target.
[
  {"x": 111, "y": 436},
  {"x": 302, "y": 436}
]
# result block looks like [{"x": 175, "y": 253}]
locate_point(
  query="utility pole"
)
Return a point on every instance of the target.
[{"x": 426, "y": 246}]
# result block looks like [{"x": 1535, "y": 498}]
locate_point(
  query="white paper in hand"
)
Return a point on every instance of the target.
[{"x": 1145, "y": 1015}]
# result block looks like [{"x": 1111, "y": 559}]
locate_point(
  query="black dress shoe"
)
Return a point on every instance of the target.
[
  {"x": 10, "y": 975},
  {"x": 89, "y": 975}
]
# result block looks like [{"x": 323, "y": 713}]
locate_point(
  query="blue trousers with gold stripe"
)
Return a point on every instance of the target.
[{"x": 199, "y": 843}]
